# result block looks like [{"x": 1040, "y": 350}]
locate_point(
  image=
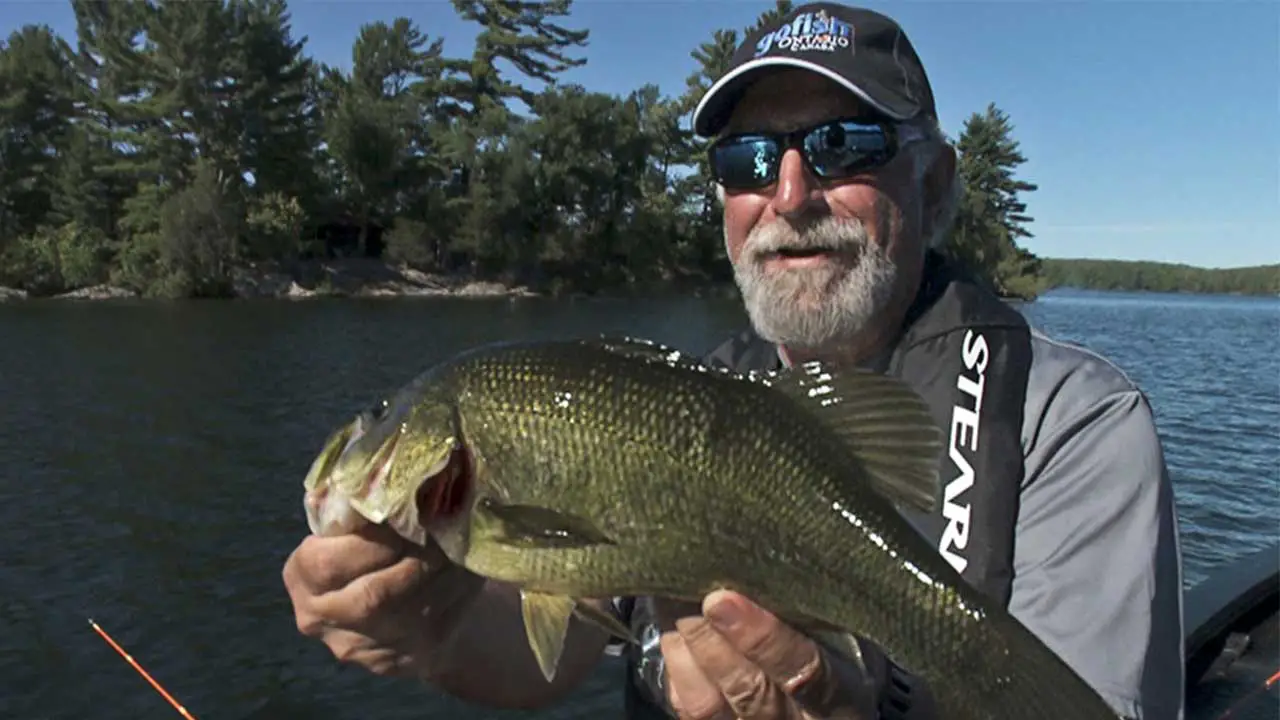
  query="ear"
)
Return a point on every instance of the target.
[
  {"x": 937, "y": 188},
  {"x": 940, "y": 174}
]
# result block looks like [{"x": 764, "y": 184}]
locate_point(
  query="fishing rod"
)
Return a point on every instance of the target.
[
  {"x": 146, "y": 676},
  {"x": 1230, "y": 713},
  {"x": 1227, "y": 715}
]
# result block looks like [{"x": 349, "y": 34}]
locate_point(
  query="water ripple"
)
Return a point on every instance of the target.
[
  {"x": 152, "y": 460},
  {"x": 1211, "y": 369}
]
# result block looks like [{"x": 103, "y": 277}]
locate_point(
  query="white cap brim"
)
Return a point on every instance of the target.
[{"x": 712, "y": 105}]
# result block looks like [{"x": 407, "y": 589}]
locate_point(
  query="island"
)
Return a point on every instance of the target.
[{"x": 195, "y": 150}]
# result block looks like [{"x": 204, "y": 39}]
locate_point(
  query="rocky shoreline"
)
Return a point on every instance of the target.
[{"x": 339, "y": 278}]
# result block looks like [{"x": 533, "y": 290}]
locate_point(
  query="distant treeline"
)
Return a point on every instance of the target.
[
  {"x": 1160, "y": 277},
  {"x": 168, "y": 143}
]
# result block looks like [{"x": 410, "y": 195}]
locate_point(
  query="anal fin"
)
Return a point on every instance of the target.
[{"x": 546, "y": 623}]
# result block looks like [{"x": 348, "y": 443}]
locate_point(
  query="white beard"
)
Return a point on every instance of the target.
[{"x": 815, "y": 308}]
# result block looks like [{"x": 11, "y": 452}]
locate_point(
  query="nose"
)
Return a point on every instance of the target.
[{"x": 797, "y": 190}]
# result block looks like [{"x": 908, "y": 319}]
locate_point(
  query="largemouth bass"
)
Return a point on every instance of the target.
[{"x": 615, "y": 467}]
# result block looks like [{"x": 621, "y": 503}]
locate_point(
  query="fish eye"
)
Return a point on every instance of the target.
[{"x": 378, "y": 411}]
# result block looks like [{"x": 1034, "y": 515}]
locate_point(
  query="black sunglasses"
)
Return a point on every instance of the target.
[{"x": 832, "y": 150}]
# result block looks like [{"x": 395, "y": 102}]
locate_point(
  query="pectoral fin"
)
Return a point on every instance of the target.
[
  {"x": 834, "y": 639},
  {"x": 611, "y": 624},
  {"x": 546, "y": 623},
  {"x": 533, "y": 527},
  {"x": 881, "y": 421},
  {"x": 844, "y": 645}
]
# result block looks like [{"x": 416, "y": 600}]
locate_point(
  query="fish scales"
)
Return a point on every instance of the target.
[
  {"x": 701, "y": 479},
  {"x": 669, "y": 508}
]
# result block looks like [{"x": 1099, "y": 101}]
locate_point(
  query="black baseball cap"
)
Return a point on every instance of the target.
[{"x": 864, "y": 51}]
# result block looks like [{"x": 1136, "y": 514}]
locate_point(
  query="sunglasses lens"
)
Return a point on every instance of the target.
[
  {"x": 745, "y": 162},
  {"x": 835, "y": 150},
  {"x": 845, "y": 148}
]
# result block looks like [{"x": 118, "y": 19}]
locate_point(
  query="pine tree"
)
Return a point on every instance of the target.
[
  {"x": 378, "y": 123},
  {"x": 713, "y": 59},
  {"x": 991, "y": 217},
  {"x": 526, "y": 34},
  {"x": 167, "y": 145},
  {"x": 36, "y": 113}
]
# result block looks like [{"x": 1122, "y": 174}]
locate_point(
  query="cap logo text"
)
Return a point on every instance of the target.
[{"x": 808, "y": 32}]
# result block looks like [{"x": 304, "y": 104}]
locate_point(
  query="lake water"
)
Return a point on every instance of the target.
[{"x": 151, "y": 457}]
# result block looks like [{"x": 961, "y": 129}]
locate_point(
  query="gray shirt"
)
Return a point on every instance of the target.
[{"x": 1097, "y": 563}]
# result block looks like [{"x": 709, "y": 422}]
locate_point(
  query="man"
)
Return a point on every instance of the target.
[{"x": 836, "y": 185}]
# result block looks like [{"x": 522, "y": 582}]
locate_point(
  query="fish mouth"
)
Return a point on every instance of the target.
[
  {"x": 322, "y": 467},
  {"x": 332, "y": 511}
]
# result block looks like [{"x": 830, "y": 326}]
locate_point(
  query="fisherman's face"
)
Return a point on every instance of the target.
[{"x": 862, "y": 236}]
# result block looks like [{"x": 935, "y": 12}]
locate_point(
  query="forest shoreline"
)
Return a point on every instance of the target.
[
  {"x": 373, "y": 278},
  {"x": 316, "y": 279}
]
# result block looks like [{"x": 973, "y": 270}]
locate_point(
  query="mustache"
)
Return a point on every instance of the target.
[{"x": 826, "y": 232}]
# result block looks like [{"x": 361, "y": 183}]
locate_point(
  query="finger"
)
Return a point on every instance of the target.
[
  {"x": 787, "y": 656},
  {"x": 431, "y": 554},
  {"x": 371, "y": 597},
  {"x": 751, "y": 694},
  {"x": 692, "y": 695},
  {"x": 356, "y": 649},
  {"x": 319, "y": 556},
  {"x": 321, "y": 565},
  {"x": 792, "y": 661}
]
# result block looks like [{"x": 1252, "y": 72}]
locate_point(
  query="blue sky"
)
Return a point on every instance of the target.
[{"x": 1152, "y": 127}]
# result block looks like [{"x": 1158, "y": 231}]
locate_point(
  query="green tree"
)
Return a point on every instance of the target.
[
  {"x": 1161, "y": 277},
  {"x": 274, "y": 125},
  {"x": 531, "y": 39},
  {"x": 179, "y": 140},
  {"x": 991, "y": 215},
  {"x": 713, "y": 59},
  {"x": 376, "y": 128},
  {"x": 36, "y": 113},
  {"x": 169, "y": 144}
]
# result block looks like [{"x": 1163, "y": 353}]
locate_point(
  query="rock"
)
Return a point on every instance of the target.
[
  {"x": 297, "y": 291},
  {"x": 484, "y": 289},
  {"x": 97, "y": 292},
  {"x": 425, "y": 281},
  {"x": 364, "y": 277},
  {"x": 253, "y": 282}
]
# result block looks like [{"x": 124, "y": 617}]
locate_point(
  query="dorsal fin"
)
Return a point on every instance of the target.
[
  {"x": 656, "y": 352},
  {"x": 882, "y": 421},
  {"x": 643, "y": 349}
]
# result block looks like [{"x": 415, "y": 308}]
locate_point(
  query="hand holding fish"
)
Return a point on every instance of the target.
[
  {"x": 738, "y": 660},
  {"x": 376, "y": 600}
]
